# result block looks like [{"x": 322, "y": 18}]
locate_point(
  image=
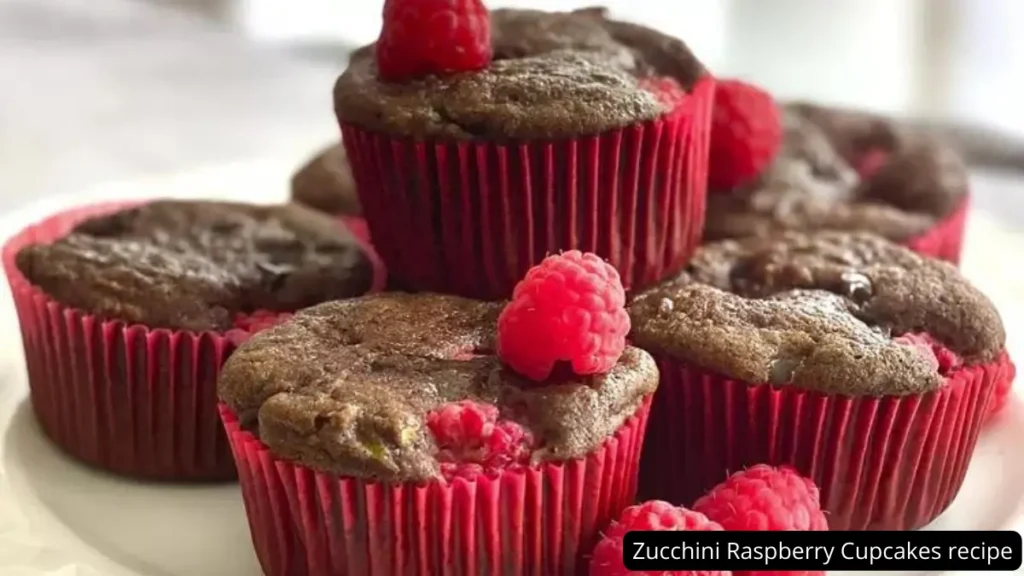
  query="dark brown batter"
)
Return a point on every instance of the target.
[
  {"x": 812, "y": 184},
  {"x": 194, "y": 265},
  {"x": 346, "y": 386},
  {"x": 554, "y": 74},
  {"x": 325, "y": 183},
  {"x": 817, "y": 311}
]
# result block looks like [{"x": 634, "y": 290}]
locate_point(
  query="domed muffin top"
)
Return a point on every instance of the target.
[
  {"x": 348, "y": 387},
  {"x": 195, "y": 265},
  {"x": 553, "y": 75},
  {"x": 826, "y": 312},
  {"x": 325, "y": 183},
  {"x": 820, "y": 180}
]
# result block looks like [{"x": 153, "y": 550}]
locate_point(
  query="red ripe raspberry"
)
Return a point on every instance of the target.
[
  {"x": 424, "y": 37},
  {"x": 653, "y": 515},
  {"x": 765, "y": 498},
  {"x": 943, "y": 359},
  {"x": 569, "y": 308},
  {"x": 472, "y": 440},
  {"x": 665, "y": 89},
  {"x": 746, "y": 133}
]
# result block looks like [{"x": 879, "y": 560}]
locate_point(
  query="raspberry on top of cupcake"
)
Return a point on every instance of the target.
[
  {"x": 834, "y": 312},
  {"x": 797, "y": 167},
  {"x": 412, "y": 387},
  {"x": 325, "y": 183},
  {"x": 198, "y": 265},
  {"x": 455, "y": 70}
]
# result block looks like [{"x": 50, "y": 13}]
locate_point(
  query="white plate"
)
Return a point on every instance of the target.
[{"x": 60, "y": 519}]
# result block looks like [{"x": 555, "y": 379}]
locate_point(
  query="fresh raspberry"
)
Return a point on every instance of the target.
[
  {"x": 942, "y": 358},
  {"x": 569, "y": 308},
  {"x": 665, "y": 89},
  {"x": 425, "y": 37},
  {"x": 766, "y": 498},
  {"x": 871, "y": 162},
  {"x": 653, "y": 515},
  {"x": 746, "y": 133},
  {"x": 472, "y": 440}
]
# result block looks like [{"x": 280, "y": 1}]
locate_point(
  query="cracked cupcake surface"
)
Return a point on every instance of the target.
[
  {"x": 818, "y": 181},
  {"x": 195, "y": 265},
  {"x": 823, "y": 312},
  {"x": 554, "y": 75},
  {"x": 354, "y": 388}
]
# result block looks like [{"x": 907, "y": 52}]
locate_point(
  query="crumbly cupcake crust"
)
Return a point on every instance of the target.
[
  {"x": 554, "y": 75},
  {"x": 819, "y": 312},
  {"x": 812, "y": 185},
  {"x": 346, "y": 386},
  {"x": 325, "y": 183},
  {"x": 194, "y": 265}
]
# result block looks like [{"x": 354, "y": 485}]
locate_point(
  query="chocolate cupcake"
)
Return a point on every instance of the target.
[
  {"x": 851, "y": 171},
  {"x": 325, "y": 183},
  {"x": 382, "y": 435},
  {"x": 127, "y": 313},
  {"x": 548, "y": 131},
  {"x": 865, "y": 366}
]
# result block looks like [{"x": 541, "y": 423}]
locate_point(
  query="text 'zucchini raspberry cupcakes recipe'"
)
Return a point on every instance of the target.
[{"x": 481, "y": 141}]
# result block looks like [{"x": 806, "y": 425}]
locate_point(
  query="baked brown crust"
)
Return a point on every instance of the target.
[
  {"x": 818, "y": 312},
  {"x": 554, "y": 75},
  {"x": 325, "y": 183},
  {"x": 346, "y": 386},
  {"x": 194, "y": 265},
  {"x": 812, "y": 185}
]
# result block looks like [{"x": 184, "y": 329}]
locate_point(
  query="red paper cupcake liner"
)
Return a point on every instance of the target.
[
  {"x": 538, "y": 521},
  {"x": 881, "y": 463},
  {"x": 470, "y": 218},
  {"x": 127, "y": 399},
  {"x": 945, "y": 240}
]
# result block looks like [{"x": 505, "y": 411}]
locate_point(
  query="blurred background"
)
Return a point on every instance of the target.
[{"x": 98, "y": 90}]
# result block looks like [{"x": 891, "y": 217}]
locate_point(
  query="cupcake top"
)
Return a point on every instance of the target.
[
  {"x": 195, "y": 265},
  {"x": 325, "y": 183},
  {"x": 348, "y": 387},
  {"x": 833, "y": 312},
  {"x": 553, "y": 75},
  {"x": 819, "y": 180}
]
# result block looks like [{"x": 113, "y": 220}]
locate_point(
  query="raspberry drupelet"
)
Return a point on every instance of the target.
[
  {"x": 746, "y": 133},
  {"x": 568, "y": 309}
]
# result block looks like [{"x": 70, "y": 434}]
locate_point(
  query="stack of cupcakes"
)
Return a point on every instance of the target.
[{"x": 539, "y": 185}]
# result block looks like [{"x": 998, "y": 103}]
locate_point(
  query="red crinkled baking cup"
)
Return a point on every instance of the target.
[
  {"x": 535, "y": 521},
  {"x": 891, "y": 463},
  {"x": 128, "y": 399},
  {"x": 470, "y": 218},
  {"x": 945, "y": 240}
]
